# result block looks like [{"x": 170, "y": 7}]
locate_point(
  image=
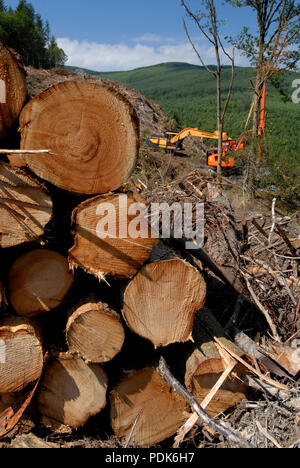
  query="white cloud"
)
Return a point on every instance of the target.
[
  {"x": 150, "y": 37},
  {"x": 110, "y": 57}
]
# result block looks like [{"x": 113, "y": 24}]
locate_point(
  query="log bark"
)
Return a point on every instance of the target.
[
  {"x": 92, "y": 131},
  {"x": 162, "y": 299},
  {"x": 25, "y": 207},
  {"x": 103, "y": 244},
  {"x": 38, "y": 282},
  {"x": 205, "y": 365},
  {"x": 21, "y": 354},
  {"x": 72, "y": 391},
  {"x": 13, "y": 89},
  {"x": 146, "y": 401},
  {"x": 95, "y": 332}
]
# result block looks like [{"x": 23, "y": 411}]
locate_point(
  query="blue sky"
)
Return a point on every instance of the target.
[{"x": 108, "y": 35}]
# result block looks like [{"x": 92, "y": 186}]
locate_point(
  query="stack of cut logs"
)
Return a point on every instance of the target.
[{"x": 91, "y": 132}]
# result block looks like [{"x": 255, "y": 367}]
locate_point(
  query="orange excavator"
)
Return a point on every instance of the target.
[{"x": 172, "y": 140}]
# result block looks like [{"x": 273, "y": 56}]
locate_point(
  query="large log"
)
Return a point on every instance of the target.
[
  {"x": 13, "y": 89},
  {"x": 25, "y": 207},
  {"x": 92, "y": 131},
  {"x": 109, "y": 249},
  {"x": 205, "y": 366},
  {"x": 71, "y": 391},
  {"x": 38, "y": 282},
  {"x": 21, "y": 354},
  {"x": 162, "y": 299},
  {"x": 95, "y": 332},
  {"x": 144, "y": 405}
]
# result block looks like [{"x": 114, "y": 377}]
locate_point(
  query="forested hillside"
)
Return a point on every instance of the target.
[{"x": 188, "y": 94}]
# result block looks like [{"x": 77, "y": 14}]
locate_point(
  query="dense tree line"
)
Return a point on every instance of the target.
[{"x": 25, "y": 31}]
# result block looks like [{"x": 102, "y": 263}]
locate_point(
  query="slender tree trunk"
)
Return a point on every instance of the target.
[{"x": 256, "y": 114}]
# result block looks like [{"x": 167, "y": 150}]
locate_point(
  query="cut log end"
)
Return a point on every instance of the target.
[
  {"x": 95, "y": 332},
  {"x": 144, "y": 407},
  {"x": 162, "y": 299},
  {"x": 103, "y": 241},
  {"x": 25, "y": 207},
  {"x": 38, "y": 282},
  {"x": 72, "y": 391},
  {"x": 21, "y": 354},
  {"x": 90, "y": 128},
  {"x": 12, "y": 87}
]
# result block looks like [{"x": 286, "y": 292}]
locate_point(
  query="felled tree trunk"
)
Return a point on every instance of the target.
[
  {"x": 92, "y": 132},
  {"x": 205, "y": 366},
  {"x": 21, "y": 354},
  {"x": 38, "y": 282},
  {"x": 95, "y": 332},
  {"x": 13, "y": 89},
  {"x": 162, "y": 299},
  {"x": 71, "y": 391},
  {"x": 144, "y": 404},
  {"x": 25, "y": 207},
  {"x": 103, "y": 243}
]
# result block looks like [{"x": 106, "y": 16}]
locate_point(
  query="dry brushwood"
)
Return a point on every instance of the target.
[{"x": 92, "y": 132}]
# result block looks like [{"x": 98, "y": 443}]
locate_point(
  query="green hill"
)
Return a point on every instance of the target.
[{"x": 188, "y": 94}]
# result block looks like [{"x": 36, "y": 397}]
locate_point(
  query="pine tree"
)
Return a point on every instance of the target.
[{"x": 24, "y": 30}]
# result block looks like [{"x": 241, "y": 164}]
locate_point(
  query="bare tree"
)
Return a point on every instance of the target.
[
  {"x": 273, "y": 48},
  {"x": 207, "y": 22}
]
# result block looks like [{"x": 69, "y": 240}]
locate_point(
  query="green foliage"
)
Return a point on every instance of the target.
[
  {"x": 24, "y": 30},
  {"x": 187, "y": 93},
  {"x": 277, "y": 38}
]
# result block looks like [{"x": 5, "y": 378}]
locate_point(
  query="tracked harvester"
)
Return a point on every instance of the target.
[{"x": 172, "y": 140}]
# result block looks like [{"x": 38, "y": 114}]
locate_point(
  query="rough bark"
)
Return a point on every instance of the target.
[
  {"x": 38, "y": 282},
  {"x": 21, "y": 354},
  {"x": 25, "y": 207},
  {"x": 72, "y": 391},
  {"x": 161, "y": 301},
  {"x": 92, "y": 132},
  {"x": 145, "y": 403},
  {"x": 95, "y": 332},
  {"x": 101, "y": 249},
  {"x": 13, "y": 89}
]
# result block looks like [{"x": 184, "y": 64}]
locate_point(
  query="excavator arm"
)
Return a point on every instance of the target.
[{"x": 172, "y": 139}]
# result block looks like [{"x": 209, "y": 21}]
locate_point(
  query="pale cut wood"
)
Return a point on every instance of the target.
[
  {"x": 118, "y": 254},
  {"x": 38, "y": 282},
  {"x": 92, "y": 132},
  {"x": 162, "y": 299},
  {"x": 72, "y": 391},
  {"x": 25, "y": 207},
  {"x": 146, "y": 400},
  {"x": 13, "y": 89},
  {"x": 205, "y": 366},
  {"x": 95, "y": 332},
  {"x": 21, "y": 354}
]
